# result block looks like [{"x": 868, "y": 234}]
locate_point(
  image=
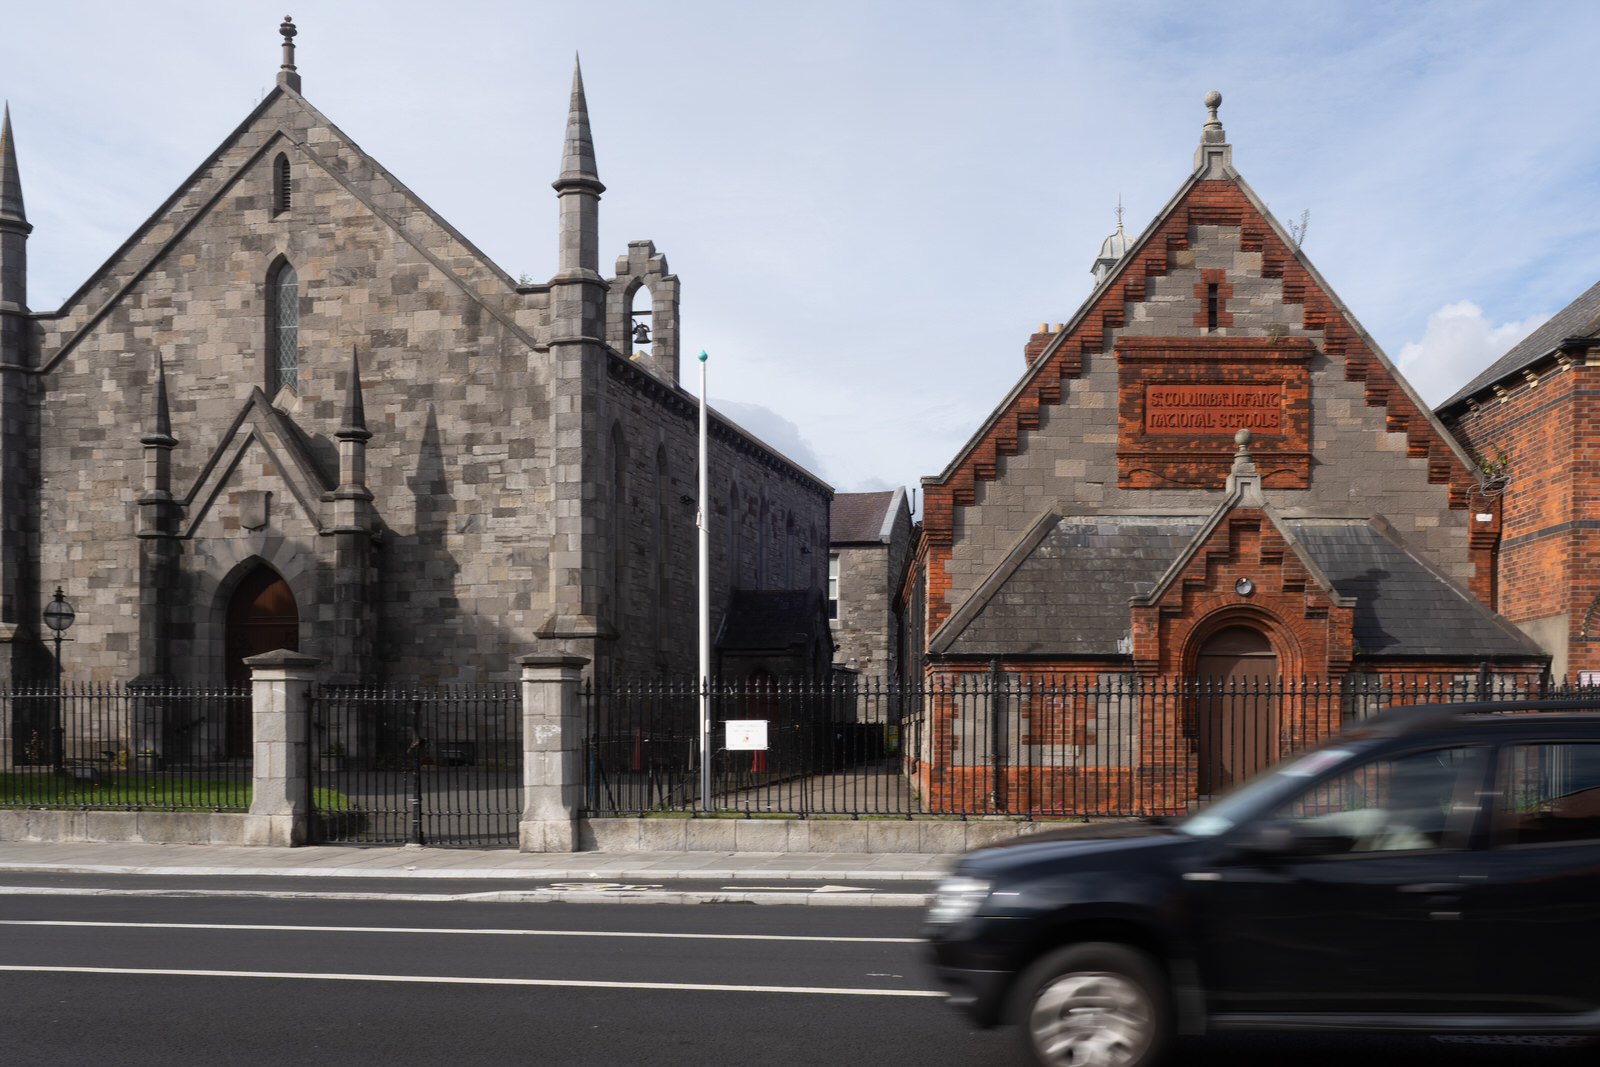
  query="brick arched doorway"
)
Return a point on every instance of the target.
[
  {"x": 262, "y": 617},
  {"x": 1236, "y": 669}
]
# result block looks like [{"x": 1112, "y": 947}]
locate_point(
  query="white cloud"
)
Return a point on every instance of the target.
[
  {"x": 1458, "y": 343},
  {"x": 773, "y": 430}
]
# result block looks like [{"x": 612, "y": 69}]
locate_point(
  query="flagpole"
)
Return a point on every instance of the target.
[{"x": 702, "y": 518}]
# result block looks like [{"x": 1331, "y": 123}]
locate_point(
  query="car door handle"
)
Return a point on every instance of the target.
[{"x": 1432, "y": 887}]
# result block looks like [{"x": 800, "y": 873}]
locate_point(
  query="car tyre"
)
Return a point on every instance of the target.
[{"x": 1093, "y": 1005}]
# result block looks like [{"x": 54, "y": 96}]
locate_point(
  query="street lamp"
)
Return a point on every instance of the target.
[{"x": 58, "y": 615}]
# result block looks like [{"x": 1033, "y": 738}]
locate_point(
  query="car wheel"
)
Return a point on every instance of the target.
[{"x": 1093, "y": 1005}]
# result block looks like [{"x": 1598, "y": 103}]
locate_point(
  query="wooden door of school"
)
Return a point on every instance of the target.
[{"x": 1236, "y": 671}]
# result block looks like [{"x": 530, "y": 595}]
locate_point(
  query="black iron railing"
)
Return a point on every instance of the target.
[
  {"x": 425, "y": 766},
  {"x": 829, "y": 749},
  {"x": 124, "y": 748},
  {"x": 985, "y": 742}
]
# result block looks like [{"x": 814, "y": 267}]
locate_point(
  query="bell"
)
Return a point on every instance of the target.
[{"x": 641, "y": 334}]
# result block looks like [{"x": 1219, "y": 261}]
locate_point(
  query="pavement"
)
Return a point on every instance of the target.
[{"x": 497, "y": 875}]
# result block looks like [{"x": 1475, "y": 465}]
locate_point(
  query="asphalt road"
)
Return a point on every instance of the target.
[{"x": 113, "y": 980}]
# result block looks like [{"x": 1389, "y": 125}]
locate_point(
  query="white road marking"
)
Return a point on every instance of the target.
[
  {"x": 558, "y": 983},
  {"x": 456, "y": 930},
  {"x": 601, "y": 887},
  {"x": 797, "y": 888}
]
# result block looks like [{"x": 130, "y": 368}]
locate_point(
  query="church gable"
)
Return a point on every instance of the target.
[
  {"x": 284, "y": 166},
  {"x": 288, "y": 216}
]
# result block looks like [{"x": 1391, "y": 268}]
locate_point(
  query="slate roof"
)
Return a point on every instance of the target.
[
  {"x": 1403, "y": 607},
  {"x": 769, "y": 620},
  {"x": 1069, "y": 595},
  {"x": 855, "y": 517},
  {"x": 1581, "y": 318}
]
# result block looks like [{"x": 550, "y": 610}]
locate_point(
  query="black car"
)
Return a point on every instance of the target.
[{"x": 1436, "y": 869}]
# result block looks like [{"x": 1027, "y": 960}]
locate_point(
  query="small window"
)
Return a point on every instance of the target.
[
  {"x": 283, "y": 327},
  {"x": 281, "y": 185},
  {"x": 833, "y": 585},
  {"x": 1551, "y": 793}
]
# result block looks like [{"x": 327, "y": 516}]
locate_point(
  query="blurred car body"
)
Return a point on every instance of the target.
[{"x": 1435, "y": 869}]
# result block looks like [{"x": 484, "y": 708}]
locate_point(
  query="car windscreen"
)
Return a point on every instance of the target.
[{"x": 1266, "y": 789}]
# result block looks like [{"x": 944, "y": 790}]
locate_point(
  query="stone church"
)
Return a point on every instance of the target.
[
  {"x": 1211, "y": 472},
  {"x": 297, "y": 409}
]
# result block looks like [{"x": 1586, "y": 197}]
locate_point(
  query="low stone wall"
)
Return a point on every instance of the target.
[
  {"x": 798, "y": 835},
  {"x": 594, "y": 835},
  {"x": 145, "y": 827}
]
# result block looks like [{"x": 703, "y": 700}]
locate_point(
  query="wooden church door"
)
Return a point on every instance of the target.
[{"x": 262, "y": 617}]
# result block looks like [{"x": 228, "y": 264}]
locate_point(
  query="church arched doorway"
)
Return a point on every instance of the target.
[
  {"x": 262, "y": 617},
  {"x": 1236, "y": 671}
]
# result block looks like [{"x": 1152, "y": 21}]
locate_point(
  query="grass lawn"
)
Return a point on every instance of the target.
[{"x": 114, "y": 792}]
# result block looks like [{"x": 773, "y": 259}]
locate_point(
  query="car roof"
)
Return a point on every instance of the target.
[{"x": 1506, "y": 715}]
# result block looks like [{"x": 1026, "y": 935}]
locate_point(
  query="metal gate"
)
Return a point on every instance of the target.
[{"x": 439, "y": 767}]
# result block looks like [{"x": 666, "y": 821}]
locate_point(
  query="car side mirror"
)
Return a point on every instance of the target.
[{"x": 1275, "y": 838}]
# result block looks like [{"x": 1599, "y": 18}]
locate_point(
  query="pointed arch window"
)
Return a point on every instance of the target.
[
  {"x": 283, "y": 327},
  {"x": 662, "y": 550},
  {"x": 735, "y": 539},
  {"x": 282, "y": 188},
  {"x": 619, "y": 523}
]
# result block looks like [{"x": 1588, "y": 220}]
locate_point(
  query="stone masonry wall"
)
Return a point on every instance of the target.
[
  {"x": 780, "y": 524},
  {"x": 454, "y": 397}
]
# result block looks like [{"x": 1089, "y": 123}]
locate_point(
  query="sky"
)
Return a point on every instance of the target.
[{"x": 871, "y": 204}]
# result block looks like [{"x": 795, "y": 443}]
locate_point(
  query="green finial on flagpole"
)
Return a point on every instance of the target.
[{"x": 702, "y": 355}]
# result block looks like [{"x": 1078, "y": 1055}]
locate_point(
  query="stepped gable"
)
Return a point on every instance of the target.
[{"x": 1214, "y": 196}]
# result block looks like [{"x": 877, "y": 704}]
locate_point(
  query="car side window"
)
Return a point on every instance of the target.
[
  {"x": 1550, "y": 793},
  {"x": 1420, "y": 800}
]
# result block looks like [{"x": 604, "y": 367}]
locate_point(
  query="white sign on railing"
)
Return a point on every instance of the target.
[{"x": 746, "y": 735}]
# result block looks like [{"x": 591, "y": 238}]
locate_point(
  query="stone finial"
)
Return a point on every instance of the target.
[
  {"x": 1245, "y": 477},
  {"x": 354, "y": 425},
  {"x": 11, "y": 208},
  {"x": 1213, "y": 160},
  {"x": 288, "y": 76},
  {"x": 160, "y": 419},
  {"x": 577, "y": 150},
  {"x": 352, "y": 510},
  {"x": 1241, "y": 457}
]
